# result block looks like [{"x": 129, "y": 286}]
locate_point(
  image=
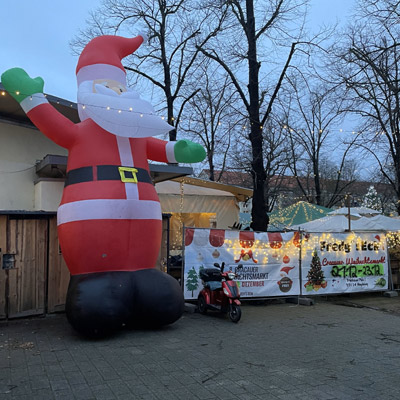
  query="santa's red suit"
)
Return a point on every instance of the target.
[{"x": 106, "y": 220}]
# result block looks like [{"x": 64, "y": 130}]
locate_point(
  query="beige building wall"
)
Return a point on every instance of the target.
[
  {"x": 20, "y": 149},
  {"x": 48, "y": 194}
]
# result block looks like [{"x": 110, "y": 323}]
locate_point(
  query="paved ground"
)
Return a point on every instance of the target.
[{"x": 277, "y": 351}]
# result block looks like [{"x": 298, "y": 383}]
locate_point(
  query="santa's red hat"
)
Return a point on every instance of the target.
[{"x": 101, "y": 58}]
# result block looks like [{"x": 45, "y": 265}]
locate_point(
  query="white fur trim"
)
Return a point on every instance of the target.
[
  {"x": 144, "y": 36},
  {"x": 169, "y": 149},
  {"x": 33, "y": 101},
  {"x": 101, "y": 71},
  {"x": 108, "y": 209}
]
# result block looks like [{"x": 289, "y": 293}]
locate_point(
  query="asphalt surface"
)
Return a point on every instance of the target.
[{"x": 345, "y": 347}]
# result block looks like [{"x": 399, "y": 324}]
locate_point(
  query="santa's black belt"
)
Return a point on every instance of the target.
[{"x": 107, "y": 173}]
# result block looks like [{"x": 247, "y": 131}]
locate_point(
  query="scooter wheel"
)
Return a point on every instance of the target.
[
  {"x": 235, "y": 313},
  {"x": 202, "y": 305}
]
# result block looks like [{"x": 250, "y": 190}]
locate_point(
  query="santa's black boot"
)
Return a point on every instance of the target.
[
  {"x": 99, "y": 303},
  {"x": 158, "y": 298}
]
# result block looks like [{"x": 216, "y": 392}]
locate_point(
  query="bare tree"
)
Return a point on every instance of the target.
[
  {"x": 275, "y": 148},
  {"x": 253, "y": 25},
  {"x": 210, "y": 116},
  {"x": 380, "y": 12},
  {"x": 367, "y": 62},
  {"x": 174, "y": 29},
  {"x": 318, "y": 158}
]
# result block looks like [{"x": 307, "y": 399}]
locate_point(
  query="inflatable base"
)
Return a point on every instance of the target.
[{"x": 99, "y": 304}]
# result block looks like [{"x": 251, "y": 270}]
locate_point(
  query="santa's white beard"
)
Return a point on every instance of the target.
[{"x": 121, "y": 115}]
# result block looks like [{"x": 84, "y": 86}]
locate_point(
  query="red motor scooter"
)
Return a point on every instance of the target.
[{"x": 220, "y": 292}]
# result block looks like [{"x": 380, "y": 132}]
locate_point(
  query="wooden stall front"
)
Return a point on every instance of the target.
[{"x": 33, "y": 275}]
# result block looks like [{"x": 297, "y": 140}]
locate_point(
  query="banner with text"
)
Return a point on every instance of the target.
[
  {"x": 343, "y": 262},
  {"x": 270, "y": 260}
]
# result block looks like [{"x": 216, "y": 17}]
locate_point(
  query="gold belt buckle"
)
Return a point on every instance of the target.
[{"x": 124, "y": 178}]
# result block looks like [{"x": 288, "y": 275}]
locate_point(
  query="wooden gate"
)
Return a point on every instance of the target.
[
  {"x": 3, "y": 274},
  {"x": 33, "y": 275},
  {"x": 24, "y": 265}
]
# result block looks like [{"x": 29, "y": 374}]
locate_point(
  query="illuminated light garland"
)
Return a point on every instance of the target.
[
  {"x": 340, "y": 130},
  {"x": 178, "y": 237},
  {"x": 285, "y": 127},
  {"x": 393, "y": 240},
  {"x": 108, "y": 108},
  {"x": 309, "y": 242},
  {"x": 287, "y": 215}
]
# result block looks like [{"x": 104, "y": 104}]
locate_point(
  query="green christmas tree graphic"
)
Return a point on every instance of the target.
[
  {"x": 315, "y": 276},
  {"x": 192, "y": 280}
]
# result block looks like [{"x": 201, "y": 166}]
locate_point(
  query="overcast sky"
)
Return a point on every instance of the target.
[{"x": 36, "y": 35}]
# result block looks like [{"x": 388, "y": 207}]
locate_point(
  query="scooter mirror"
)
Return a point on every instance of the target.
[
  {"x": 216, "y": 265},
  {"x": 222, "y": 266}
]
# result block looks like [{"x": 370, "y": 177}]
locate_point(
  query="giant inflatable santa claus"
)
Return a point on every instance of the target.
[{"x": 109, "y": 219}]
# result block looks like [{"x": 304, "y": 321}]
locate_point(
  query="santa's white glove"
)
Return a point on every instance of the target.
[{"x": 144, "y": 36}]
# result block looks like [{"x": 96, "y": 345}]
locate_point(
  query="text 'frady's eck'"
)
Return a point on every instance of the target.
[{"x": 360, "y": 245}]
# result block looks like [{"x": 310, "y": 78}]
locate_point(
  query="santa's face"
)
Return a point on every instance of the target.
[
  {"x": 117, "y": 87},
  {"x": 118, "y": 109}
]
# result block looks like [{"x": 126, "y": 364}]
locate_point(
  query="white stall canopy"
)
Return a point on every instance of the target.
[
  {"x": 199, "y": 203},
  {"x": 340, "y": 223}
]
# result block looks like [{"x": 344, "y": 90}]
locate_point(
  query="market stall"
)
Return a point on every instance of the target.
[{"x": 277, "y": 264}]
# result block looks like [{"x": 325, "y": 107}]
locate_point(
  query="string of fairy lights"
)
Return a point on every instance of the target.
[
  {"x": 83, "y": 106},
  {"x": 393, "y": 238},
  {"x": 176, "y": 242},
  {"x": 172, "y": 119},
  {"x": 287, "y": 215},
  {"x": 265, "y": 251}
]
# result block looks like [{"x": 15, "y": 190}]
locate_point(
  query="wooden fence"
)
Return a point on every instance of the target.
[{"x": 33, "y": 275}]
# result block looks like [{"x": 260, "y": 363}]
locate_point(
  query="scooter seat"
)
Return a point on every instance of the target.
[
  {"x": 210, "y": 274},
  {"x": 213, "y": 285}
]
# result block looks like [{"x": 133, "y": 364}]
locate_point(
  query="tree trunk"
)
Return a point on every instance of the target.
[
  {"x": 317, "y": 183},
  {"x": 170, "y": 111},
  {"x": 397, "y": 185},
  {"x": 167, "y": 73},
  {"x": 259, "y": 211}
]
